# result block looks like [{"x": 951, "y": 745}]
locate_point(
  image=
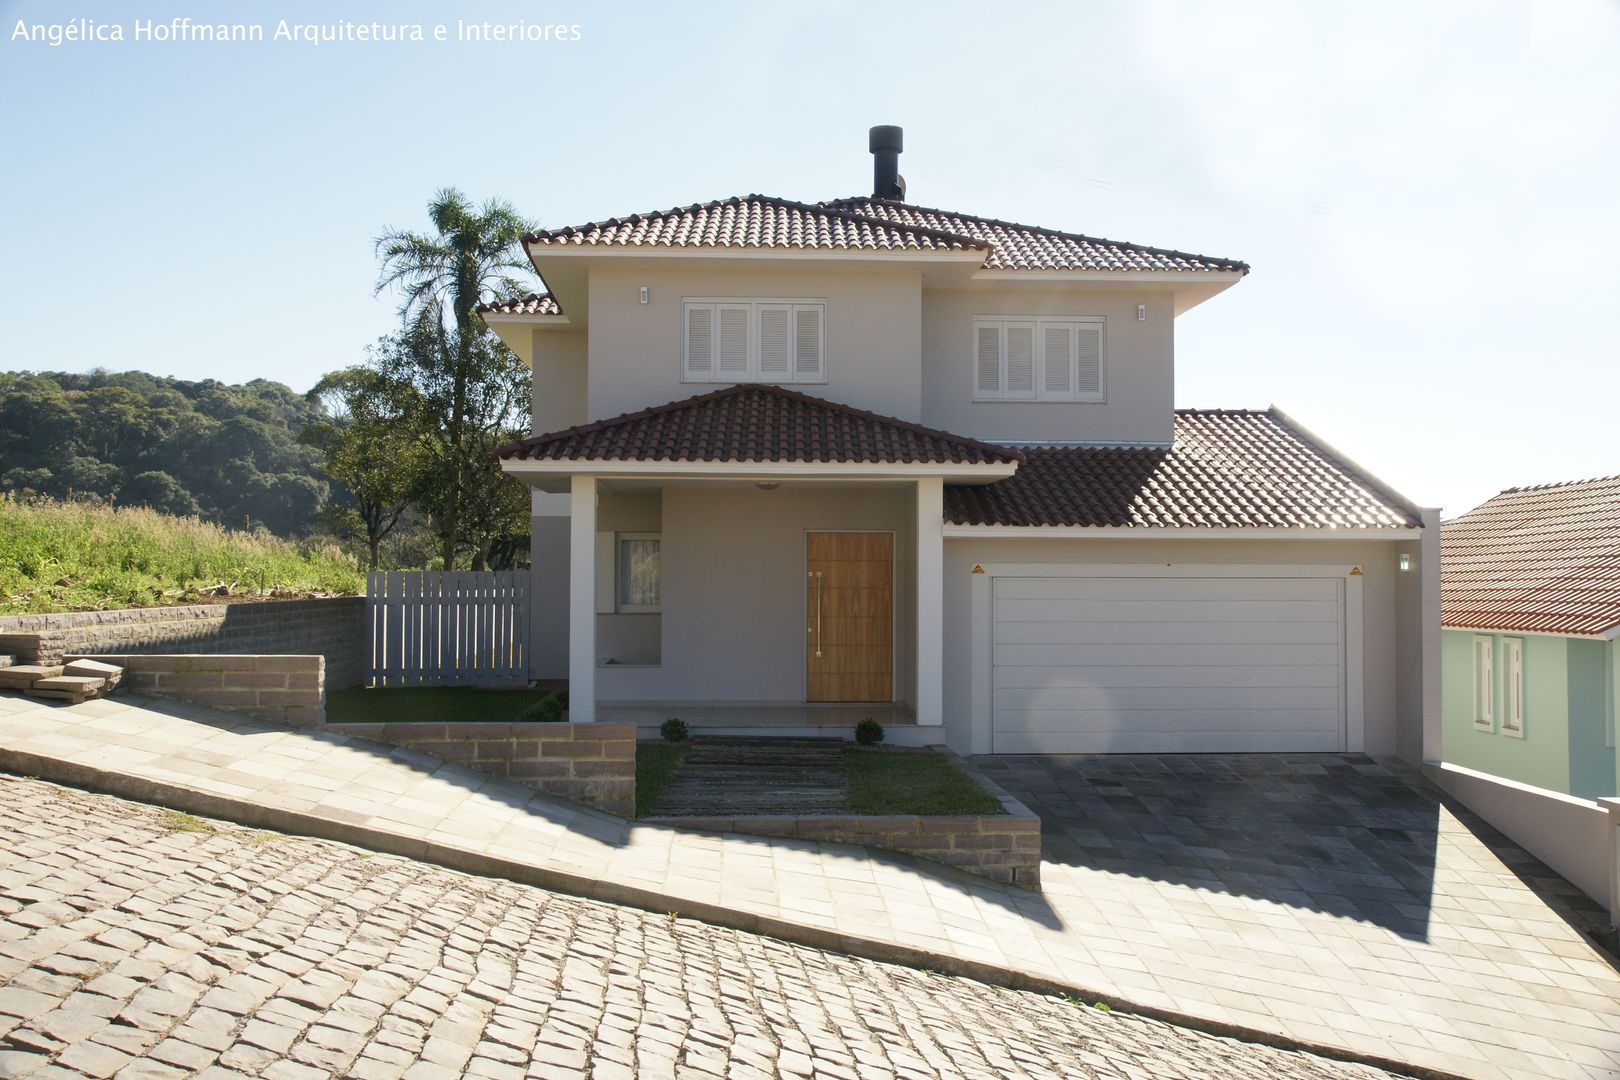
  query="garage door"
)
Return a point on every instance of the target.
[{"x": 1163, "y": 665}]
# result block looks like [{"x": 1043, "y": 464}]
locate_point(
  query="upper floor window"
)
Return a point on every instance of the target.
[
  {"x": 1031, "y": 359},
  {"x": 770, "y": 341}
]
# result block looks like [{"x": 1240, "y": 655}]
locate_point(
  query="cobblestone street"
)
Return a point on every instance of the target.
[{"x": 136, "y": 942}]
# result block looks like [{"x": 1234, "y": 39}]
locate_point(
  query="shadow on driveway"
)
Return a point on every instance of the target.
[{"x": 1340, "y": 834}]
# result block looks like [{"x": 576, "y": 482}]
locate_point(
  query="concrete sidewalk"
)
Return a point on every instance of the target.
[{"x": 1556, "y": 1013}]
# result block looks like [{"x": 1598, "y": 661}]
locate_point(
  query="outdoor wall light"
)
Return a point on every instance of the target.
[
  {"x": 1406, "y": 563},
  {"x": 767, "y": 485},
  {"x": 1141, "y": 313}
]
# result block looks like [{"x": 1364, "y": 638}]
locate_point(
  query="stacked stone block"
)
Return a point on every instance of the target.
[
  {"x": 333, "y": 627},
  {"x": 589, "y": 763},
  {"x": 280, "y": 689}
]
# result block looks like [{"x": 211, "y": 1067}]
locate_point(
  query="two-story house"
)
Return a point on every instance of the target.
[{"x": 801, "y": 463}]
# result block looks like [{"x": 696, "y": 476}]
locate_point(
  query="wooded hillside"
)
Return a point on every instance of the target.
[{"x": 228, "y": 454}]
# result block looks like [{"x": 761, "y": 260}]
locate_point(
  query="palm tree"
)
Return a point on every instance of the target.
[{"x": 472, "y": 252}]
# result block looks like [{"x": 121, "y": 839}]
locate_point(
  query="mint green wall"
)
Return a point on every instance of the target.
[
  {"x": 1591, "y": 762},
  {"x": 1568, "y": 697}
]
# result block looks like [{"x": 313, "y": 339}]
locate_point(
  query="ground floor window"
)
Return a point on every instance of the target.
[{"x": 639, "y": 579}]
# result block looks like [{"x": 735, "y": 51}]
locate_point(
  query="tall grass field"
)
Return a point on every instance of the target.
[{"x": 65, "y": 556}]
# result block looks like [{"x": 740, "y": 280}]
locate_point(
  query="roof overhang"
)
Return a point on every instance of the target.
[
  {"x": 1610, "y": 634},
  {"x": 1189, "y": 287},
  {"x": 1161, "y": 532},
  {"x": 565, "y": 268},
  {"x": 553, "y": 475}
]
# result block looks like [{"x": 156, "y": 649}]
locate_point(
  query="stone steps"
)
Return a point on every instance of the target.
[
  {"x": 758, "y": 776},
  {"x": 77, "y": 681}
]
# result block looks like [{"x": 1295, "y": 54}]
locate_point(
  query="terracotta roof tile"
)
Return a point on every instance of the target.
[
  {"x": 760, "y": 221},
  {"x": 764, "y": 221},
  {"x": 1543, "y": 559},
  {"x": 1029, "y": 247},
  {"x": 1225, "y": 469},
  {"x": 529, "y": 304},
  {"x": 757, "y": 423}
]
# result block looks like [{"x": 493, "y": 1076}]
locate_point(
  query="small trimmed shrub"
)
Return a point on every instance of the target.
[
  {"x": 674, "y": 730},
  {"x": 548, "y": 710},
  {"x": 869, "y": 732}
]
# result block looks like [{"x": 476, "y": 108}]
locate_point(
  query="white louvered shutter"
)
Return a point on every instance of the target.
[
  {"x": 987, "y": 360},
  {"x": 1057, "y": 361},
  {"x": 732, "y": 341},
  {"x": 808, "y": 362},
  {"x": 1088, "y": 379},
  {"x": 1514, "y": 720},
  {"x": 775, "y": 344},
  {"x": 700, "y": 341},
  {"x": 1021, "y": 360},
  {"x": 1484, "y": 682}
]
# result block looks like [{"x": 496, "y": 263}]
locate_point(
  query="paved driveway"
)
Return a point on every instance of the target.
[
  {"x": 146, "y": 945},
  {"x": 1333, "y": 892}
]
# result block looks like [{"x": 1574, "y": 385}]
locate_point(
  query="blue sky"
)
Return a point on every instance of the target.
[{"x": 1426, "y": 192}]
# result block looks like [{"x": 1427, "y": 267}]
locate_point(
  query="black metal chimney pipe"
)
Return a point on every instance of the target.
[{"x": 886, "y": 141}]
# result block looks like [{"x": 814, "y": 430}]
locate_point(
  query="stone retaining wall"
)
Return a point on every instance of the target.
[
  {"x": 333, "y": 627},
  {"x": 1003, "y": 847},
  {"x": 589, "y": 763},
  {"x": 280, "y": 689}
]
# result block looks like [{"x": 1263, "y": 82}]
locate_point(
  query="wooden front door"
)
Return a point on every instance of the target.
[{"x": 849, "y": 599}]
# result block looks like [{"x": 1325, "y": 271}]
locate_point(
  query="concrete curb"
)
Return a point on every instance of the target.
[{"x": 255, "y": 815}]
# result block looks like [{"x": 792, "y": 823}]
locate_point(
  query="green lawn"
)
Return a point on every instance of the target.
[
  {"x": 896, "y": 781},
  {"x": 63, "y": 556},
  {"x": 428, "y": 704},
  {"x": 656, "y": 763}
]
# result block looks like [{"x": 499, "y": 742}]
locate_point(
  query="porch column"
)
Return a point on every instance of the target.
[
  {"x": 930, "y": 588},
  {"x": 582, "y": 600}
]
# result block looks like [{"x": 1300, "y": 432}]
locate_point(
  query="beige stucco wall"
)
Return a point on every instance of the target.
[
  {"x": 1139, "y": 376},
  {"x": 1387, "y": 708},
  {"x": 559, "y": 378},
  {"x": 629, "y": 637},
  {"x": 734, "y": 594},
  {"x": 873, "y": 338}
]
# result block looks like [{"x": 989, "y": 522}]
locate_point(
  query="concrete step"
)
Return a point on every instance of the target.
[
  {"x": 71, "y": 688},
  {"x": 22, "y": 676}
]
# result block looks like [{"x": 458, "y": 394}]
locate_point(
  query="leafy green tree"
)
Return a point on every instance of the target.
[
  {"x": 461, "y": 397},
  {"x": 369, "y": 449},
  {"x": 468, "y": 384}
]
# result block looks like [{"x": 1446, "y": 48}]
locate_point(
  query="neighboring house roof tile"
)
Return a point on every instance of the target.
[
  {"x": 1029, "y": 247},
  {"x": 1226, "y": 468},
  {"x": 757, "y": 423},
  {"x": 764, "y": 221},
  {"x": 1543, "y": 559},
  {"x": 754, "y": 221},
  {"x": 528, "y": 304}
]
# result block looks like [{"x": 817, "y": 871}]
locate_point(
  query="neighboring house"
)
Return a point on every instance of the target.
[
  {"x": 1531, "y": 609},
  {"x": 809, "y": 462}
]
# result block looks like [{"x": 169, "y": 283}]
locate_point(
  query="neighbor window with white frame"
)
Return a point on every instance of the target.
[
  {"x": 1038, "y": 359},
  {"x": 638, "y": 584},
  {"x": 765, "y": 341},
  {"x": 1513, "y": 686},
  {"x": 1485, "y": 683}
]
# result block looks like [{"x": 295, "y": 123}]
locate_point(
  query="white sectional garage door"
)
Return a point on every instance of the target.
[{"x": 1165, "y": 665}]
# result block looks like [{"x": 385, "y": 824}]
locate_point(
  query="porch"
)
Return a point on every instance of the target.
[{"x": 744, "y": 606}]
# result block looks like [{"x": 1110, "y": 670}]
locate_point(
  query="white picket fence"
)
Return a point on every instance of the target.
[{"x": 426, "y": 628}]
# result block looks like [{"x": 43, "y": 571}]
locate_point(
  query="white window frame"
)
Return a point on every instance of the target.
[
  {"x": 1039, "y": 326},
  {"x": 1513, "y": 687},
  {"x": 797, "y": 306},
  {"x": 1484, "y": 672},
  {"x": 618, "y": 558}
]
